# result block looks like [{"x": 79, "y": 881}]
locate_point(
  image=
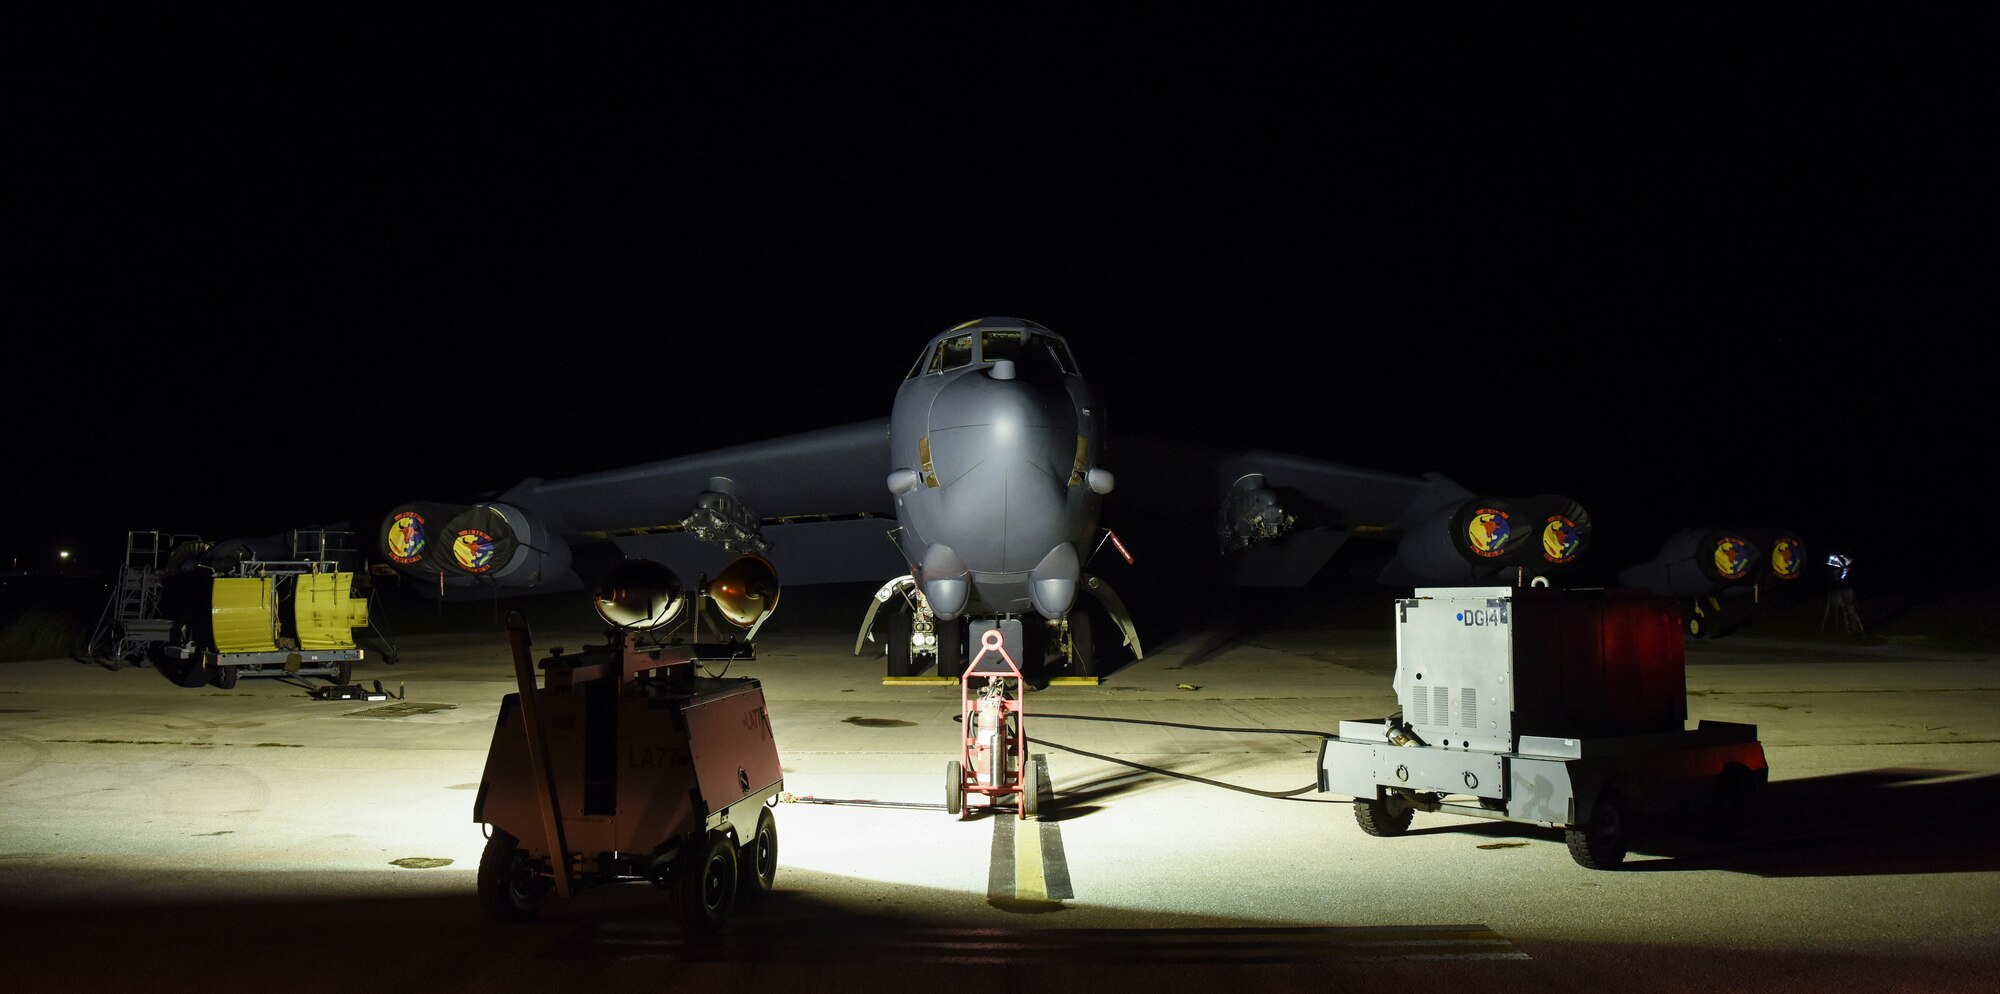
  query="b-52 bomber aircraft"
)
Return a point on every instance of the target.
[{"x": 978, "y": 502}]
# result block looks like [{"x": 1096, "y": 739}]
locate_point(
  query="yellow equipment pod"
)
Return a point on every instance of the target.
[
  {"x": 325, "y": 612},
  {"x": 243, "y": 612}
]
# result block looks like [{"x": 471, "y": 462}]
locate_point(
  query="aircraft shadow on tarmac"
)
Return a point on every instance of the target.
[{"x": 1886, "y": 821}]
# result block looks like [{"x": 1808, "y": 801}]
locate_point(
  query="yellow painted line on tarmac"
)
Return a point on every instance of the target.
[
  {"x": 1029, "y": 883},
  {"x": 1029, "y": 863},
  {"x": 918, "y": 681}
]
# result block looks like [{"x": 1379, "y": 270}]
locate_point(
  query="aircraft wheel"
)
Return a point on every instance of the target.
[
  {"x": 1083, "y": 645},
  {"x": 1600, "y": 844},
  {"x": 1372, "y": 814},
  {"x": 509, "y": 888},
  {"x": 223, "y": 677},
  {"x": 705, "y": 883},
  {"x": 954, "y": 788},
  {"x": 1703, "y": 618},
  {"x": 899, "y": 644},
  {"x": 757, "y": 860},
  {"x": 951, "y": 657}
]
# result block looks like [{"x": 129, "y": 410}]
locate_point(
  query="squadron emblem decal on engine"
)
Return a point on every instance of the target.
[
  {"x": 1488, "y": 531},
  {"x": 1560, "y": 538},
  {"x": 406, "y": 537},
  {"x": 474, "y": 550},
  {"x": 1787, "y": 560},
  {"x": 1733, "y": 557}
]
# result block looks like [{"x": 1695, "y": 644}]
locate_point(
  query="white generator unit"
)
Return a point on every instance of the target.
[{"x": 1561, "y": 708}]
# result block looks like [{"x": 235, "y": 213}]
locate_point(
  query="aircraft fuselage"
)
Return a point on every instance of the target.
[{"x": 994, "y": 442}]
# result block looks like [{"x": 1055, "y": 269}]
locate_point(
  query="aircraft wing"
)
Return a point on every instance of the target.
[
  {"x": 1276, "y": 519},
  {"x": 817, "y": 505},
  {"x": 813, "y": 503}
]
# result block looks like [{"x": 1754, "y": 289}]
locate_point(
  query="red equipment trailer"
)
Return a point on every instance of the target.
[{"x": 626, "y": 765}]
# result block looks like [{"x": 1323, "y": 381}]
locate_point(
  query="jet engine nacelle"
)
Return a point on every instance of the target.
[
  {"x": 1699, "y": 561},
  {"x": 1784, "y": 555},
  {"x": 411, "y": 537},
  {"x": 1483, "y": 538},
  {"x": 497, "y": 543}
]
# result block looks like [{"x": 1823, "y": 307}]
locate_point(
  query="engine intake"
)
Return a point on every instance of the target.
[
  {"x": 1698, "y": 561},
  {"x": 500, "y": 544},
  {"x": 1482, "y": 538}
]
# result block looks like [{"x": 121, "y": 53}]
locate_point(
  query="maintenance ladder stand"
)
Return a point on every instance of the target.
[{"x": 132, "y": 623}]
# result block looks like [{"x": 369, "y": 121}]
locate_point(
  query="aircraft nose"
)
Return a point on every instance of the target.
[{"x": 1003, "y": 453}]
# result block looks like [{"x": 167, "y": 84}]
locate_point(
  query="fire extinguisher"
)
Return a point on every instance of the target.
[{"x": 987, "y": 737}]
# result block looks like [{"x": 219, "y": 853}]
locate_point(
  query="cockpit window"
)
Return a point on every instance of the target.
[
  {"x": 1028, "y": 351},
  {"x": 1060, "y": 352},
  {"x": 951, "y": 354},
  {"x": 1000, "y": 345}
]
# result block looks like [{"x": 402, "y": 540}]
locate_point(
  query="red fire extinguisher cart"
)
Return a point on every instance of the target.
[{"x": 993, "y": 758}]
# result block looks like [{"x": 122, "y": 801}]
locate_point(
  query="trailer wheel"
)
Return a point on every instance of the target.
[
  {"x": 223, "y": 676},
  {"x": 1372, "y": 814},
  {"x": 342, "y": 673},
  {"x": 705, "y": 883},
  {"x": 1600, "y": 845},
  {"x": 758, "y": 860},
  {"x": 954, "y": 788},
  {"x": 509, "y": 888}
]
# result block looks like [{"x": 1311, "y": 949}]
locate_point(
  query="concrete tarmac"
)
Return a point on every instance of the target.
[{"x": 160, "y": 838}]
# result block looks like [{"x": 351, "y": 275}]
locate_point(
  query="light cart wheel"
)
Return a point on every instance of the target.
[
  {"x": 509, "y": 888},
  {"x": 705, "y": 883},
  {"x": 1372, "y": 814},
  {"x": 1031, "y": 779},
  {"x": 954, "y": 788},
  {"x": 1600, "y": 844},
  {"x": 757, "y": 860}
]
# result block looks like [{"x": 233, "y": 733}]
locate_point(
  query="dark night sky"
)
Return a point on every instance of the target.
[{"x": 1685, "y": 281}]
